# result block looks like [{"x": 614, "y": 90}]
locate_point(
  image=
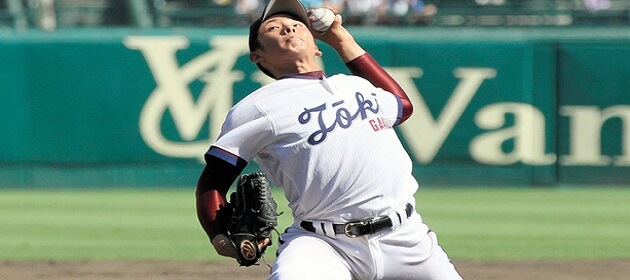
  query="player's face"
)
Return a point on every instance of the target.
[{"x": 282, "y": 37}]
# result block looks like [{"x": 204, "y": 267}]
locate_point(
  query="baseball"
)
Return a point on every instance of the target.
[{"x": 322, "y": 19}]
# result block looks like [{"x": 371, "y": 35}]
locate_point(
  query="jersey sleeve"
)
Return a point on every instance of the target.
[
  {"x": 390, "y": 106},
  {"x": 245, "y": 131}
]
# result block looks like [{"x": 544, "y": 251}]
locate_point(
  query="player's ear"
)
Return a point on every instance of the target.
[
  {"x": 317, "y": 51},
  {"x": 255, "y": 58}
]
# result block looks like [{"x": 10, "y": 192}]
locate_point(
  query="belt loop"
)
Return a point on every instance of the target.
[
  {"x": 329, "y": 229},
  {"x": 324, "y": 228},
  {"x": 401, "y": 216},
  {"x": 319, "y": 227},
  {"x": 407, "y": 212}
]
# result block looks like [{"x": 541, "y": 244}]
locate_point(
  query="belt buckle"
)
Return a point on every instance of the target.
[{"x": 347, "y": 231}]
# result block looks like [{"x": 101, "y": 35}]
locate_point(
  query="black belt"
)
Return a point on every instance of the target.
[{"x": 359, "y": 228}]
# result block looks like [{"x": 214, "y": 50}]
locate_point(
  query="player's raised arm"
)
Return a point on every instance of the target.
[{"x": 361, "y": 63}]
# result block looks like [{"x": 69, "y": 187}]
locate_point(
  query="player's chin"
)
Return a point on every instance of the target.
[
  {"x": 296, "y": 44},
  {"x": 294, "y": 50}
]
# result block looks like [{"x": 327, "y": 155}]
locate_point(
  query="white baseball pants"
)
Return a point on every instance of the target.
[{"x": 408, "y": 252}]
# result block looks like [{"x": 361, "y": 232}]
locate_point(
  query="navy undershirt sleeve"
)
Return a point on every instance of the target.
[{"x": 219, "y": 174}]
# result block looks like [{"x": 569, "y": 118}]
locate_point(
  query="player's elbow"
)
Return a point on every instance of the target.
[{"x": 407, "y": 110}]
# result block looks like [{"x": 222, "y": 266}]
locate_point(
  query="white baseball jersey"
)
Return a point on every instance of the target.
[{"x": 328, "y": 143}]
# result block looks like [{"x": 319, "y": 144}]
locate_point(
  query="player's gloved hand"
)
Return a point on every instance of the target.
[{"x": 254, "y": 217}]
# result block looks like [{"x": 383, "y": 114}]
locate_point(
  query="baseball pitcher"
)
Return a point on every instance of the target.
[{"x": 329, "y": 143}]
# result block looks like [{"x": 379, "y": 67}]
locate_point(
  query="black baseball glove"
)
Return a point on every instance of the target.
[{"x": 254, "y": 217}]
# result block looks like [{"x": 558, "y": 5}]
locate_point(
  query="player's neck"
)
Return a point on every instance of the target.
[
  {"x": 295, "y": 68},
  {"x": 316, "y": 74}
]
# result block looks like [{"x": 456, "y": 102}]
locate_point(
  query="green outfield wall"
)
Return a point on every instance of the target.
[{"x": 116, "y": 107}]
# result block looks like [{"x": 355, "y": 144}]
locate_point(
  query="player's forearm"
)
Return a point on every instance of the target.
[
  {"x": 212, "y": 187},
  {"x": 348, "y": 49},
  {"x": 342, "y": 41},
  {"x": 208, "y": 203}
]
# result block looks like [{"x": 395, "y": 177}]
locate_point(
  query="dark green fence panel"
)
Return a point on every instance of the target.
[
  {"x": 91, "y": 108},
  {"x": 594, "y": 132}
]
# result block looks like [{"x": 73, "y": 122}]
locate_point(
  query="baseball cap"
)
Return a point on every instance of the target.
[{"x": 274, "y": 7}]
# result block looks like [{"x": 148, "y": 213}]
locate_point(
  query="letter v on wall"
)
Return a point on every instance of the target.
[{"x": 424, "y": 146}]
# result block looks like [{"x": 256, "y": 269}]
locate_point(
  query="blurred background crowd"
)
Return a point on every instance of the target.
[{"x": 54, "y": 14}]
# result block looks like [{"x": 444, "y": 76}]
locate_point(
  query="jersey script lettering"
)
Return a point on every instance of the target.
[{"x": 343, "y": 116}]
